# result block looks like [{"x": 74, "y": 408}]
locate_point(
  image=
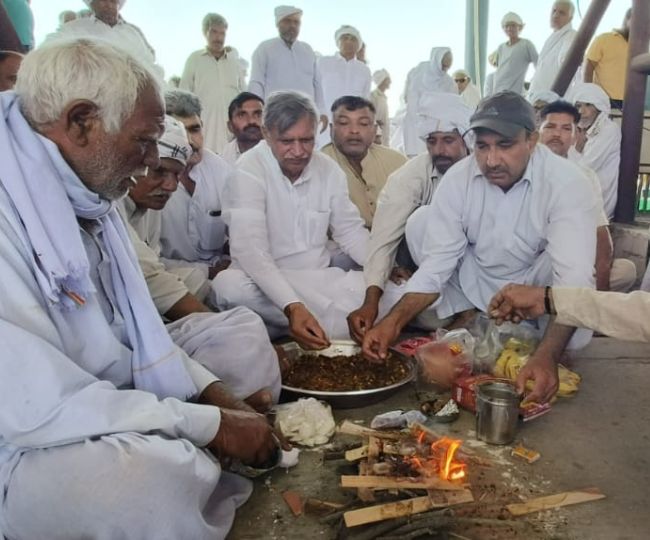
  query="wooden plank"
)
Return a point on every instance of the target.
[
  {"x": 357, "y": 453},
  {"x": 565, "y": 498},
  {"x": 350, "y": 428},
  {"x": 364, "y": 493},
  {"x": 386, "y": 482},
  {"x": 407, "y": 507}
]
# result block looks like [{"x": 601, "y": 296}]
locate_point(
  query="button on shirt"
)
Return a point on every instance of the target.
[
  {"x": 496, "y": 237},
  {"x": 276, "y": 224},
  {"x": 276, "y": 67}
]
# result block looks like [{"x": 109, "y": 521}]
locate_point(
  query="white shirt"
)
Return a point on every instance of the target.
[
  {"x": 216, "y": 82},
  {"x": 496, "y": 237},
  {"x": 602, "y": 153},
  {"x": 551, "y": 58},
  {"x": 471, "y": 96},
  {"x": 276, "y": 224},
  {"x": 380, "y": 101},
  {"x": 123, "y": 35},
  {"x": 192, "y": 232},
  {"x": 341, "y": 77},
  {"x": 512, "y": 63},
  {"x": 276, "y": 67},
  {"x": 408, "y": 188},
  {"x": 231, "y": 152}
]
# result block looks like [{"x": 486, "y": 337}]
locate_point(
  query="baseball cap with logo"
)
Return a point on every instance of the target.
[{"x": 506, "y": 113}]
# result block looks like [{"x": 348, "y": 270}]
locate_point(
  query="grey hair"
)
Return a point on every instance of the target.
[
  {"x": 60, "y": 72},
  {"x": 213, "y": 19},
  {"x": 284, "y": 109},
  {"x": 182, "y": 103},
  {"x": 567, "y": 3}
]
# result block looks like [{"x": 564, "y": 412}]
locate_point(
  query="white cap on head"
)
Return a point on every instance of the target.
[
  {"x": 380, "y": 76},
  {"x": 547, "y": 96},
  {"x": 511, "y": 17},
  {"x": 88, "y": 2},
  {"x": 174, "y": 144},
  {"x": 461, "y": 73},
  {"x": 442, "y": 111},
  {"x": 593, "y": 94},
  {"x": 349, "y": 30},
  {"x": 285, "y": 11}
]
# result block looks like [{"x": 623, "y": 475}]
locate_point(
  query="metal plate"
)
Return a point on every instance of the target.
[{"x": 350, "y": 399}]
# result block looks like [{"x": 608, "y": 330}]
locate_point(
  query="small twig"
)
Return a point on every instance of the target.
[{"x": 459, "y": 536}]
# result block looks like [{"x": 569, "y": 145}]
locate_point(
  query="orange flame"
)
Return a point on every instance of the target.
[{"x": 444, "y": 450}]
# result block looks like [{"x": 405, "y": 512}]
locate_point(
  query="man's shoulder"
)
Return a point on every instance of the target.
[
  {"x": 558, "y": 173},
  {"x": 329, "y": 150},
  {"x": 214, "y": 163},
  {"x": 384, "y": 153}
]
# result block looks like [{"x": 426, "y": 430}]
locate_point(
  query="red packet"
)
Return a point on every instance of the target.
[{"x": 409, "y": 346}]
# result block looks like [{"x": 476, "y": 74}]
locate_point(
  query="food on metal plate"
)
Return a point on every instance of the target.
[{"x": 344, "y": 373}]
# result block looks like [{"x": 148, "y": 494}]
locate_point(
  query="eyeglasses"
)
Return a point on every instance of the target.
[{"x": 460, "y": 80}]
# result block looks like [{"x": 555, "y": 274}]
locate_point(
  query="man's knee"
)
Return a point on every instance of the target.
[
  {"x": 622, "y": 275},
  {"x": 229, "y": 288}
]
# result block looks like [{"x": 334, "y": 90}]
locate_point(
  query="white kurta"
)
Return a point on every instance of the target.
[
  {"x": 124, "y": 35},
  {"x": 276, "y": 67},
  {"x": 602, "y": 153},
  {"x": 279, "y": 232},
  {"x": 192, "y": 231},
  {"x": 216, "y": 81},
  {"x": 74, "y": 369},
  {"x": 231, "y": 152},
  {"x": 512, "y": 64},
  {"x": 408, "y": 188},
  {"x": 380, "y": 101},
  {"x": 541, "y": 231},
  {"x": 551, "y": 58}
]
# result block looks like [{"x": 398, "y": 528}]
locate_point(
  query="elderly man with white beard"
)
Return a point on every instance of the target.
[{"x": 103, "y": 420}]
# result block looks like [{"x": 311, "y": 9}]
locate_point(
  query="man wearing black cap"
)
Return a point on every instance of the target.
[{"x": 511, "y": 212}]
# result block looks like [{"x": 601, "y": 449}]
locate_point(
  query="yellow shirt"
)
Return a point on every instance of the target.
[
  {"x": 376, "y": 167},
  {"x": 609, "y": 53}
]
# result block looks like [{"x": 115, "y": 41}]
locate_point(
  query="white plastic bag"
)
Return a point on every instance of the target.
[{"x": 307, "y": 421}]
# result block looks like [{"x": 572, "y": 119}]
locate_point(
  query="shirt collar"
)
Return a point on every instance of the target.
[
  {"x": 206, "y": 52},
  {"x": 120, "y": 21}
]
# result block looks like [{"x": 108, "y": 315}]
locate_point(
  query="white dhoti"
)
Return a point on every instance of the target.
[
  {"x": 127, "y": 486},
  {"x": 233, "y": 345}
]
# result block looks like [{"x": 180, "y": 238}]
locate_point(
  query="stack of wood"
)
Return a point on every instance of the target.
[{"x": 389, "y": 461}]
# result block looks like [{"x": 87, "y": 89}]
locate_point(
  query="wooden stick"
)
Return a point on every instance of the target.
[
  {"x": 407, "y": 507},
  {"x": 384, "y": 482},
  {"x": 555, "y": 501},
  {"x": 357, "y": 453},
  {"x": 349, "y": 428},
  {"x": 364, "y": 492}
]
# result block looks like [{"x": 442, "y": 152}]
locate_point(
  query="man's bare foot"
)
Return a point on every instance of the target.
[
  {"x": 261, "y": 401},
  {"x": 463, "y": 319}
]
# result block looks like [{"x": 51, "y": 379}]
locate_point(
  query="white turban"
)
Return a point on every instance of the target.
[
  {"x": 284, "y": 11},
  {"x": 547, "y": 96},
  {"x": 591, "y": 93},
  {"x": 349, "y": 30},
  {"x": 442, "y": 111},
  {"x": 511, "y": 17},
  {"x": 173, "y": 144},
  {"x": 380, "y": 76},
  {"x": 88, "y": 2},
  {"x": 461, "y": 73}
]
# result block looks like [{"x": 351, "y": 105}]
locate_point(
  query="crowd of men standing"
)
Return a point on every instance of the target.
[{"x": 161, "y": 237}]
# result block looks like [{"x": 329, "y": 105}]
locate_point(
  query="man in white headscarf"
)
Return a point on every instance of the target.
[
  {"x": 107, "y": 23},
  {"x": 284, "y": 63},
  {"x": 513, "y": 57},
  {"x": 83, "y": 344},
  {"x": 426, "y": 78},
  {"x": 342, "y": 74},
  {"x": 466, "y": 88},
  {"x": 444, "y": 119},
  {"x": 217, "y": 339},
  {"x": 213, "y": 73},
  {"x": 555, "y": 48},
  {"x": 598, "y": 141},
  {"x": 382, "y": 81}
]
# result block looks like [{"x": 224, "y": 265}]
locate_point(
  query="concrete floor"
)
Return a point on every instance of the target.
[{"x": 599, "y": 438}]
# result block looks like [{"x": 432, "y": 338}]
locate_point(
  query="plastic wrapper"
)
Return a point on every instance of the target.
[
  {"x": 488, "y": 344},
  {"x": 308, "y": 422},
  {"x": 397, "y": 419},
  {"x": 442, "y": 361}
]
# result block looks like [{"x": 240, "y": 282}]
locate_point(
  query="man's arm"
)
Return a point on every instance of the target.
[
  {"x": 187, "y": 78},
  {"x": 604, "y": 256},
  {"x": 185, "y": 306},
  {"x": 257, "y": 83},
  {"x": 588, "y": 71}
]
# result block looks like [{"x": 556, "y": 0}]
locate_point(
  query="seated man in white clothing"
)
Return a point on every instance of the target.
[
  {"x": 101, "y": 414},
  {"x": 511, "y": 212},
  {"x": 598, "y": 140},
  {"x": 280, "y": 204},
  {"x": 192, "y": 231},
  {"x": 442, "y": 124},
  {"x": 559, "y": 120},
  {"x": 215, "y": 340},
  {"x": 245, "y": 123}
]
